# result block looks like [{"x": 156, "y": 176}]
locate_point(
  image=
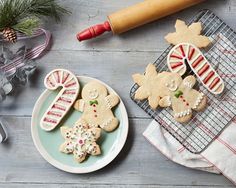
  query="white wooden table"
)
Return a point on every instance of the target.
[{"x": 113, "y": 59}]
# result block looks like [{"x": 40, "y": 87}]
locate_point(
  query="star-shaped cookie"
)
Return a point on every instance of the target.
[
  {"x": 188, "y": 34},
  {"x": 147, "y": 83},
  {"x": 80, "y": 140}
]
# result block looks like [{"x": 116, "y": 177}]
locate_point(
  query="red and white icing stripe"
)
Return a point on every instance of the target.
[
  {"x": 187, "y": 53},
  {"x": 63, "y": 101}
]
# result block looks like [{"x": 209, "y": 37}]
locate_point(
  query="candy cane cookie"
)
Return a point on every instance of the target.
[
  {"x": 188, "y": 53},
  {"x": 63, "y": 101}
]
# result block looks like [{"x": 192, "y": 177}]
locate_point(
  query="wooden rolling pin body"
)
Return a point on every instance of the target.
[{"x": 145, "y": 12}]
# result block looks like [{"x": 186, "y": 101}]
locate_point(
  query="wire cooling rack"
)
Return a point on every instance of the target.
[{"x": 205, "y": 126}]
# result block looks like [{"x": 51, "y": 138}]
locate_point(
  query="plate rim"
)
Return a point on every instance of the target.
[{"x": 79, "y": 170}]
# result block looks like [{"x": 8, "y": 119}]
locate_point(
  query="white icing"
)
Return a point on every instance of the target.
[
  {"x": 177, "y": 52},
  {"x": 183, "y": 113},
  {"x": 79, "y": 140},
  {"x": 196, "y": 57},
  {"x": 173, "y": 87},
  {"x": 201, "y": 65},
  {"x": 93, "y": 94},
  {"x": 68, "y": 81},
  {"x": 188, "y": 84},
  {"x": 108, "y": 103},
  {"x": 107, "y": 123},
  {"x": 168, "y": 100},
  {"x": 198, "y": 101},
  {"x": 52, "y": 76},
  {"x": 206, "y": 74}
]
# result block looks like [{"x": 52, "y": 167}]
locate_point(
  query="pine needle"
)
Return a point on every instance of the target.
[
  {"x": 28, "y": 25},
  {"x": 13, "y": 11}
]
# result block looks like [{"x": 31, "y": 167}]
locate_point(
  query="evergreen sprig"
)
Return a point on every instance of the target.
[
  {"x": 24, "y": 15},
  {"x": 27, "y": 25}
]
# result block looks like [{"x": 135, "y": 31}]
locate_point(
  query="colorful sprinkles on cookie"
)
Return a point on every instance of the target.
[{"x": 80, "y": 140}]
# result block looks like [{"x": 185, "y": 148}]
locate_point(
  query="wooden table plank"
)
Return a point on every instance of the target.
[
  {"x": 139, "y": 163},
  {"x": 78, "y": 185},
  {"x": 112, "y": 59}
]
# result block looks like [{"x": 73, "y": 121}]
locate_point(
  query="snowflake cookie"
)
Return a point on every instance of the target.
[
  {"x": 190, "y": 34},
  {"x": 80, "y": 140},
  {"x": 96, "y": 105},
  {"x": 169, "y": 89}
]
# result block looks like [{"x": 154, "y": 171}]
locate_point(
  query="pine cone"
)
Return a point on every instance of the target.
[{"x": 9, "y": 34}]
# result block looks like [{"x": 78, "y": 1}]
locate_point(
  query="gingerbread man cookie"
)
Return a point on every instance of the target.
[
  {"x": 80, "y": 140},
  {"x": 96, "y": 105},
  {"x": 189, "y": 34},
  {"x": 169, "y": 89}
]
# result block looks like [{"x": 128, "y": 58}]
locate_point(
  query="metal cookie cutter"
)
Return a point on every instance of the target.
[{"x": 3, "y": 132}]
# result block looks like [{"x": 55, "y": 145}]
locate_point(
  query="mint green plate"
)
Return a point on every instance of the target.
[{"x": 48, "y": 143}]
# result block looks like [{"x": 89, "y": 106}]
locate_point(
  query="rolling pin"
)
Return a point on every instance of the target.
[{"x": 136, "y": 15}]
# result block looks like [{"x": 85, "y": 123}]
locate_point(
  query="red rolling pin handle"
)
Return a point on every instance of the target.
[{"x": 94, "y": 31}]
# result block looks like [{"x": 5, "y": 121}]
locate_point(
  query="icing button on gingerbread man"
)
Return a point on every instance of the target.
[{"x": 96, "y": 106}]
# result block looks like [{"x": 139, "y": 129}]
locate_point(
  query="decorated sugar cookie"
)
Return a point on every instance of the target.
[
  {"x": 186, "y": 53},
  {"x": 80, "y": 140},
  {"x": 96, "y": 105},
  {"x": 190, "y": 34},
  {"x": 169, "y": 89},
  {"x": 63, "y": 101}
]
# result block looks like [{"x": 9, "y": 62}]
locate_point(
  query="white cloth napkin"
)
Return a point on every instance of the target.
[
  {"x": 220, "y": 155},
  {"x": 173, "y": 150}
]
